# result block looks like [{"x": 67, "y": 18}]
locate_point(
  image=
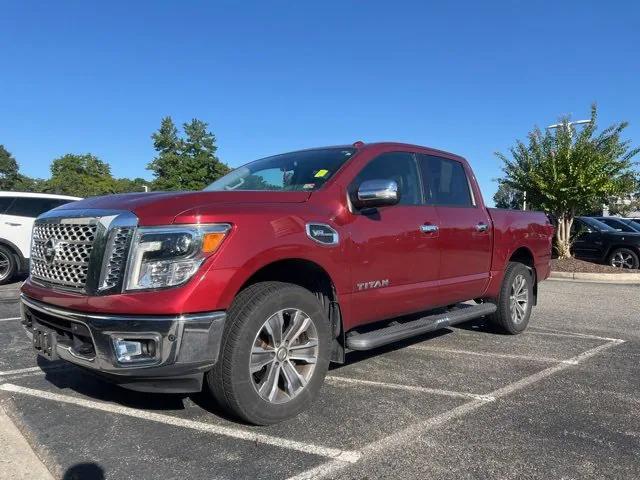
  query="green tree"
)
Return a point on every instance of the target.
[
  {"x": 188, "y": 163},
  {"x": 566, "y": 172},
  {"x": 28, "y": 184},
  {"x": 9, "y": 175},
  {"x": 623, "y": 206},
  {"x": 127, "y": 185},
  {"x": 508, "y": 197},
  {"x": 80, "y": 175}
]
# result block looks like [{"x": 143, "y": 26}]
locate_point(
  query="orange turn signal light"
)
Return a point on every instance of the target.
[{"x": 211, "y": 241}]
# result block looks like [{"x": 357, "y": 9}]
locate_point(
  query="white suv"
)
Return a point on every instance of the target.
[{"x": 18, "y": 210}]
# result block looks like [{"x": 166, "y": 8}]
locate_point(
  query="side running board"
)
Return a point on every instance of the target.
[{"x": 401, "y": 331}]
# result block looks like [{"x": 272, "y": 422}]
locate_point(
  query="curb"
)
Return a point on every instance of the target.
[
  {"x": 18, "y": 461},
  {"x": 614, "y": 278}
]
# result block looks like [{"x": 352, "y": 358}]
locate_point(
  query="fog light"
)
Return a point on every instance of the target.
[{"x": 134, "y": 350}]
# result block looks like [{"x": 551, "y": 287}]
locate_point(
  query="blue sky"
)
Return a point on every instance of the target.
[{"x": 275, "y": 76}]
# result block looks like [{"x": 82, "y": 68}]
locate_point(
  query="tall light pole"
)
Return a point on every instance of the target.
[{"x": 568, "y": 124}]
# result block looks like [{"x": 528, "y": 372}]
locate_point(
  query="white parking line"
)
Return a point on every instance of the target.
[
  {"x": 321, "y": 471},
  {"x": 344, "y": 456},
  {"x": 411, "y": 433},
  {"x": 19, "y": 371},
  {"x": 491, "y": 354},
  {"x": 412, "y": 388},
  {"x": 31, "y": 371},
  {"x": 9, "y": 319},
  {"x": 564, "y": 333}
]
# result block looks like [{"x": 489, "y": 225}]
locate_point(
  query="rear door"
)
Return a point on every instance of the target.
[
  {"x": 394, "y": 251},
  {"x": 17, "y": 221},
  {"x": 465, "y": 229}
]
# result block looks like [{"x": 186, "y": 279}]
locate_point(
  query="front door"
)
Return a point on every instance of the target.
[
  {"x": 587, "y": 241},
  {"x": 465, "y": 229},
  {"x": 394, "y": 250}
]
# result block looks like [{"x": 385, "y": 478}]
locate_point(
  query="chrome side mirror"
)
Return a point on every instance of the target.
[{"x": 376, "y": 193}]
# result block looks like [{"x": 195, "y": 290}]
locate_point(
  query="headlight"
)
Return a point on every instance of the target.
[{"x": 169, "y": 256}]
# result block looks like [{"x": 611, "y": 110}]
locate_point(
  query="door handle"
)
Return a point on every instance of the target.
[
  {"x": 11, "y": 224},
  {"x": 482, "y": 227},
  {"x": 429, "y": 228}
]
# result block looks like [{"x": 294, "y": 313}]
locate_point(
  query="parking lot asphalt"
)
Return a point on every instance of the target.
[{"x": 561, "y": 400}]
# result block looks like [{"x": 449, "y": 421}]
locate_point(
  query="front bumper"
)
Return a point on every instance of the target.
[{"x": 185, "y": 346}]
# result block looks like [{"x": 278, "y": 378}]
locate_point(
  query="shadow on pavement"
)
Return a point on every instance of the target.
[{"x": 84, "y": 471}]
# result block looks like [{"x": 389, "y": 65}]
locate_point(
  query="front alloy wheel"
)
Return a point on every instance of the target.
[
  {"x": 274, "y": 353},
  {"x": 284, "y": 355}
]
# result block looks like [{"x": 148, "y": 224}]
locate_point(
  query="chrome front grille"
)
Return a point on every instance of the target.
[
  {"x": 60, "y": 253},
  {"x": 82, "y": 253},
  {"x": 115, "y": 265}
]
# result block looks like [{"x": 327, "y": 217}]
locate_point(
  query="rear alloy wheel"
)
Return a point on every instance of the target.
[
  {"x": 624, "y": 258},
  {"x": 516, "y": 299},
  {"x": 274, "y": 353},
  {"x": 8, "y": 265}
]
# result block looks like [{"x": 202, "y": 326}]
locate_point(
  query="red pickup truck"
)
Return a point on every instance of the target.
[{"x": 254, "y": 285}]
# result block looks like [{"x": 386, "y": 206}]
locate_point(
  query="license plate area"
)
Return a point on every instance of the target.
[{"x": 45, "y": 341}]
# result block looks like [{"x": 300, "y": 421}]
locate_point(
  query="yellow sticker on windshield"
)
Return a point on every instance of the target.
[{"x": 321, "y": 173}]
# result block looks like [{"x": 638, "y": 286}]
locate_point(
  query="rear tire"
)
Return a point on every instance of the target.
[
  {"x": 274, "y": 353},
  {"x": 515, "y": 300},
  {"x": 623, "y": 258},
  {"x": 8, "y": 265}
]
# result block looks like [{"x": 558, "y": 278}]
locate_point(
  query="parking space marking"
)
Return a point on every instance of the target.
[
  {"x": 564, "y": 333},
  {"x": 321, "y": 471},
  {"x": 30, "y": 371},
  {"x": 9, "y": 319},
  {"x": 494, "y": 355},
  {"x": 344, "y": 456},
  {"x": 396, "y": 386},
  {"x": 19, "y": 371},
  {"x": 409, "y": 434}
]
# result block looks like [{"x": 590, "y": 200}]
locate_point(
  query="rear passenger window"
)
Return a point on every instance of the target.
[
  {"x": 398, "y": 166},
  {"x": 4, "y": 203},
  {"x": 445, "y": 182},
  {"x": 32, "y": 207}
]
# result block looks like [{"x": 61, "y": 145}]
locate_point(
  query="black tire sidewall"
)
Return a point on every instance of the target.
[
  {"x": 13, "y": 266},
  {"x": 240, "y": 393},
  {"x": 636, "y": 259}
]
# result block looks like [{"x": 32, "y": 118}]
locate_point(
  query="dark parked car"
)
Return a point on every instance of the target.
[
  {"x": 620, "y": 224},
  {"x": 597, "y": 241},
  {"x": 634, "y": 221}
]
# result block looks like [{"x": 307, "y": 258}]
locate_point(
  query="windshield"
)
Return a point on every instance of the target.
[
  {"x": 597, "y": 224},
  {"x": 306, "y": 170}
]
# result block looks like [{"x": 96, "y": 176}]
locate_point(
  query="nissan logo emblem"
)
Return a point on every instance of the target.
[{"x": 49, "y": 252}]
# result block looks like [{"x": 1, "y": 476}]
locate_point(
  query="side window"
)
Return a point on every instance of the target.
[
  {"x": 32, "y": 207},
  {"x": 398, "y": 166},
  {"x": 445, "y": 182},
  {"x": 4, "y": 203}
]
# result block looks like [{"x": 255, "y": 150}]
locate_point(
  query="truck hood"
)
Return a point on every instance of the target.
[{"x": 161, "y": 208}]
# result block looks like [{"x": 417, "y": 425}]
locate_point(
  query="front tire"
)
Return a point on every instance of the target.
[
  {"x": 274, "y": 353},
  {"x": 515, "y": 300},
  {"x": 8, "y": 265}
]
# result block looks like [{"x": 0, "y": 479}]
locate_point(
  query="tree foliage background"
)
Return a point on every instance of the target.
[
  {"x": 181, "y": 163},
  {"x": 508, "y": 197},
  {"x": 569, "y": 172},
  {"x": 186, "y": 162}
]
